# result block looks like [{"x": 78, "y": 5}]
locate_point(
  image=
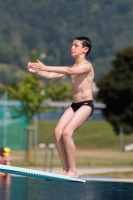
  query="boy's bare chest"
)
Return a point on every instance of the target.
[
  {"x": 78, "y": 78},
  {"x": 78, "y": 81}
]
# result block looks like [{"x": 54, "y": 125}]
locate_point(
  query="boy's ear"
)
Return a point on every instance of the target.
[{"x": 86, "y": 49}]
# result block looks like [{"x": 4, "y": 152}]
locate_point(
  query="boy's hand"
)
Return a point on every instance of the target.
[
  {"x": 30, "y": 68},
  {"x": 39, "y": 66}
]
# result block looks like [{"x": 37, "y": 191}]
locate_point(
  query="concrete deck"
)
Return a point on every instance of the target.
[
  {"x": 87, "y": 173},
  {"x": 91, "y": 171}
]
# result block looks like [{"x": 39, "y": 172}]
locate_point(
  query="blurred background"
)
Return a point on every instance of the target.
[{"x": 30, "y": 106}]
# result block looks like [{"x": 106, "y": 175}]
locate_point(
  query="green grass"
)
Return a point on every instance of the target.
[
  {"x": 84, "y": 158},
  {"x": 103, "y": 158},
  {"x": 96, "y": 144},
  {"x": 92, "y": 134}
]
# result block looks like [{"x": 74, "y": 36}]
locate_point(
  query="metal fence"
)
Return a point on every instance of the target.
[{"x": 12, "y": 125}]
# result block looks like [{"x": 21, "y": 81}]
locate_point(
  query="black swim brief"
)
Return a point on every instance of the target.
[{"x": 76, "y": 106}]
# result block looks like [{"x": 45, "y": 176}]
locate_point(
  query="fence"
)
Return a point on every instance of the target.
[{"x": 12, "y": 125}]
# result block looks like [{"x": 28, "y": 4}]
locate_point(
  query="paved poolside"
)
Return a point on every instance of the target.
[{"x": 91, "y": 171}]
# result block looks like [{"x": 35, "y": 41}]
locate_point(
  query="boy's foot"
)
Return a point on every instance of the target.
[
  {"x": 72, "y": 174},
  {"x": 63, "y": 172}
]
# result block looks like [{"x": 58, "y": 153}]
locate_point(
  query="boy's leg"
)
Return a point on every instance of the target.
[
  {"x": 76, "y": 120},
  {"x": 59, "y": 139}
]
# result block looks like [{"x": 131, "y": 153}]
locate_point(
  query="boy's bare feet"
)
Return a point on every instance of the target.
[
  {"x": 72, "y": 174},
  {"x": 63, "y": 172}
]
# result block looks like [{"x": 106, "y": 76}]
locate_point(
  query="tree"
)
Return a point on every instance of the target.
[
  {"x": 30, "y": 93},
  {"x": 116, "y": 91},
  {"x": 2, "y": 89},
  {"x": 58, "y": 91}
]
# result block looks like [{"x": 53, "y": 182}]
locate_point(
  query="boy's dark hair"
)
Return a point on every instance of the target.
[{"x": 86, "y": 42}]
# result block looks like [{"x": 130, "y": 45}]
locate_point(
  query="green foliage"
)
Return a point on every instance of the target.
[
  {"x": 10, "y": 73},
  {"x": 30, "y": 93},
  {"x": 116, "y": 91},
  {"x": 33, "y": 56},
  {"x": 2, "y": 89},
  {"x": 28, "y": 25},
  {"x": 59, "y": 91}
]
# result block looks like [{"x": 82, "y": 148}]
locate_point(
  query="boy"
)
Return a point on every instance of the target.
[{"x": 81, "y": 74}]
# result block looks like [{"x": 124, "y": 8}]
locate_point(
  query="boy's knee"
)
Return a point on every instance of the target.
[
  {"x": 66, "y": 134},
  {"x": 57, "y": 133}
]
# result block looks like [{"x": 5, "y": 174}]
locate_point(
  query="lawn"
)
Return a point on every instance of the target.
[
  {"x": 85, "y": 158},
  {"x": 96, "y": 143},
  {"x": 91, "y": 135}
]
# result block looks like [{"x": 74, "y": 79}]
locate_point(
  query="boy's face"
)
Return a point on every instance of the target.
[{"x": 77, "y": 49}]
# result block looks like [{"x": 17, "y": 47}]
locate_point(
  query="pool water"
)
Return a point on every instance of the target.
[{"x": 21, "y": 188}]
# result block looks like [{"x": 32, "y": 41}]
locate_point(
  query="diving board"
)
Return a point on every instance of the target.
[{"x": 38, "y": 174}]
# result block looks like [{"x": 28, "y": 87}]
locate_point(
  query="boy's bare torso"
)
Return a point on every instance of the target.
[{"x": 82, "y": 85}]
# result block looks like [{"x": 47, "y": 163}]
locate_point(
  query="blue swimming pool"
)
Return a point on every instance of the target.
[{"x": 20, "y": 188}]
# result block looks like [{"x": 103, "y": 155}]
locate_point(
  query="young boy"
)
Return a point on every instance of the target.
[
  {"x": 5, "y": 158},
  {"x": 81, "y": 74}
]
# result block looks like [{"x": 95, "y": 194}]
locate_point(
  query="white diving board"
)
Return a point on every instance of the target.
[{"x": 38, "y": 174}]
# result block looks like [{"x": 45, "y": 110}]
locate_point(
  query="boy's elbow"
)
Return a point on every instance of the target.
[{"x": 70, "y": 71}]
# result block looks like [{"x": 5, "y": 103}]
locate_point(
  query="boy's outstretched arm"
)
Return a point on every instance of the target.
[
  {"x": 63, "y": 69},
  {"x": 45, "y": 74}
]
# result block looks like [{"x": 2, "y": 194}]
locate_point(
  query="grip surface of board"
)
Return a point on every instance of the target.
[{"x": 38, "y": 174}]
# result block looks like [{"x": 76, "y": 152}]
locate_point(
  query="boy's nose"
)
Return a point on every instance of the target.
[{"x": 72, "y": 48}]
